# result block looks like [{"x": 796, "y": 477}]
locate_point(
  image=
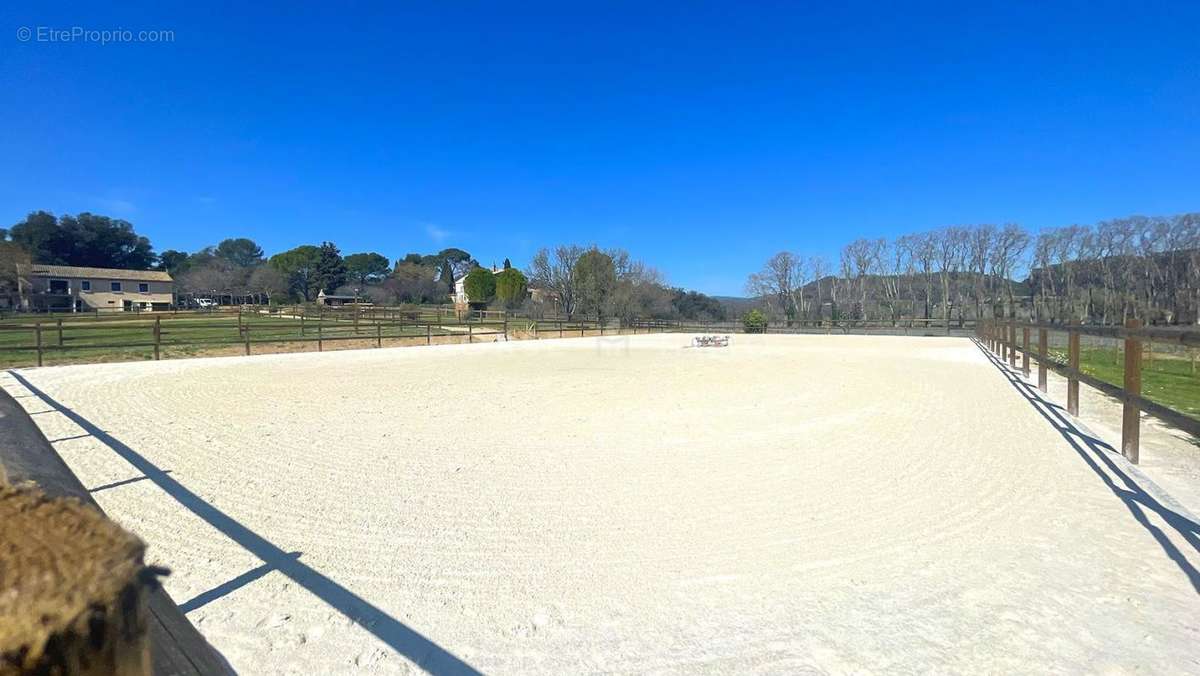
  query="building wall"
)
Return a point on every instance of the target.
[{"x": 159, "y": 295}]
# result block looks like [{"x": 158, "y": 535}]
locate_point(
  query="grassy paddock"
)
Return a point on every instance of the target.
[
  {"x": 1170, "y": 373},
  {"x": 91, "y": 338}
]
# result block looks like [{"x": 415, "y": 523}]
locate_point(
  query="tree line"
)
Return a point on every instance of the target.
[
  {"x": 567, "y": 280},
  {"x": 1145, "y": 267}
]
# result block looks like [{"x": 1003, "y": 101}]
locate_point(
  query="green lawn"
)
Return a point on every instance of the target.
[
  {"x": 101, "y": 340},
  {"x": 1168, "y": 379}
]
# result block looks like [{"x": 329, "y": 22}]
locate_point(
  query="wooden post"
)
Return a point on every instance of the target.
[
  {"x": 378, "y": 335},
  {"x": 38, "y": 336},
  {"x": 1025, "y": 351},
  {"x": 506, "y": 327},
  {"x": 1073, "y": 365},
  {"x": 320, "y": 335},
  {"x": 470, "y": 335},
  {"x": 60, "y": 337},
  {"x": 1012, "y": 344},
  {"x": 301, "y": 324},
  {"x": 157, "y": 336},
  {"x": 428, "y": 334},
  {"x": 1042, "y": 349},
  {"x": 1130, "y": 425},
  {"x": 246, "y": 336},
  {"x": 86, "y": 579},
  {"x": 560, "y": 329}
]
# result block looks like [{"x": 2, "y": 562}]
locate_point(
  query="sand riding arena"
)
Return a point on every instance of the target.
[{"x": 786, "y": 504}]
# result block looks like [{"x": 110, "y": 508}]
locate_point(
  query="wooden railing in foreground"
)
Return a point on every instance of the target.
[
  {"x": 1001, "y": 338},
  {"x": 176, "y": 647}
]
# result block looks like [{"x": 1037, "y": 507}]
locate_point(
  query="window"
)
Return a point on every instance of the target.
[
  {"x": 86, "y": 285},
  {"x": 115, "y": 286},
  {"x": 143, "y": 287},
  {"x": 59, "y": 286}
]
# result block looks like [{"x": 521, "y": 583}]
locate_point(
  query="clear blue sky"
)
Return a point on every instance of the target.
[{"x": 701, "y": 137}]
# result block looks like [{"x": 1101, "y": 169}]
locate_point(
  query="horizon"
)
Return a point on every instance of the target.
[{"x": 700, "y": 139}]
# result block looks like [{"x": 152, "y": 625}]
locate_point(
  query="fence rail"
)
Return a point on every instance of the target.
[
  {"x": 155, "y": 333},
  {"x": 1001, "y": 338}
]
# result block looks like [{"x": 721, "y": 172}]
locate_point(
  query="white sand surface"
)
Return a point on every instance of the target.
[{"x": 791, "y": 504}]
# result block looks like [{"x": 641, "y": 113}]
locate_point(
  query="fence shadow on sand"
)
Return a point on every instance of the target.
[
  {"x": 404, "y": 640},
  {"x": 1101, "y": 458}
]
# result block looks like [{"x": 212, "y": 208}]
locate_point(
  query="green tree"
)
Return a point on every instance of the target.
[
  {"x": 366, "y": 268},
  {"x": 595, "y": 278},
  {"x": 507, "y": 264},
  {"x": 299, "y": 267},
  {"x": 331, "y": 268},
  {"x": 86, "y": 240},
  {"x": 754, "y": 321},
  {"x": 240, "y": 251},
  {"x": 173, "y": 261},
  {"x": 511, "y": 287},
  {"x": 446, "y": 275},
  {"x": 480, "y": 286}
]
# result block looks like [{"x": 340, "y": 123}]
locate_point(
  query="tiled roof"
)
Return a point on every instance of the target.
[{"x": 93, "y": 273}]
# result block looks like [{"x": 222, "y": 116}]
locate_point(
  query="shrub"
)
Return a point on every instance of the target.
[
  {"x": 754, "y": 321},
  {"x": 511, "y": 287},
  {"x": 480, "y": 286}
]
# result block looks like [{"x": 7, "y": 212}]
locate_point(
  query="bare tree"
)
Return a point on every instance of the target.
[
  {"x": 980, "y": 240},
  {"x": 1011, "y": 242},
  {"x": 777, "y": 283},
  {"x": 556, "y": 271},
  {"x": 820, "y": 269}
]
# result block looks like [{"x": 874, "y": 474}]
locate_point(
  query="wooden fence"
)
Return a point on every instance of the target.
[
  {"x": 156, "y": 332},
  {"x": 1002, "y": 338}
]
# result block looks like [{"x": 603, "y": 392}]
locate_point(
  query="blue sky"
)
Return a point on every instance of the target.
[{"x": 702, "y": 137}]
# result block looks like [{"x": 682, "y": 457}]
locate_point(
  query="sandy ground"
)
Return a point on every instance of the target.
[{"x": 791, "y": 504}]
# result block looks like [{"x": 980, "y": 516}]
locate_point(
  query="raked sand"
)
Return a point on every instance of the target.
[{"x": 790, "y": 504}]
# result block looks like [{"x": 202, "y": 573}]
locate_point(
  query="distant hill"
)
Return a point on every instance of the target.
[{"x": 736, "y": 306}]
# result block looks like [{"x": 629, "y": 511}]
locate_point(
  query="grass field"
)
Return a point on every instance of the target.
[
  {"x": 114, "y": 338},
  {"x": 1170, "y": 379},
  {"x": 110, "y": 340}
]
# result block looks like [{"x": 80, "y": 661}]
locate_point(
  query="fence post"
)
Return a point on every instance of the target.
[
  {"x": 506, "y": 327},
  {"x": 1073, "y": 365},
  {"x": 560, "y": 329},
  {"x": 378, "y": 335},
  {"x": 1012, "y": 344},
  {"x": 470, "y": 335},
  {"x": 246, "y": 337},
  {"x": 1042, "y": 349},
  {"x": 60, "y": 340},
  {"x": 320, "y": 335},
  {"x": 1025, "y": 351},
  {"x": 428, "y": 334},
  {"x": 157, "y": 336},
  {"x": 37, "y": 329},
  {"x": 1130, "y": 427},
  {"x": 302, "y": 324}
]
